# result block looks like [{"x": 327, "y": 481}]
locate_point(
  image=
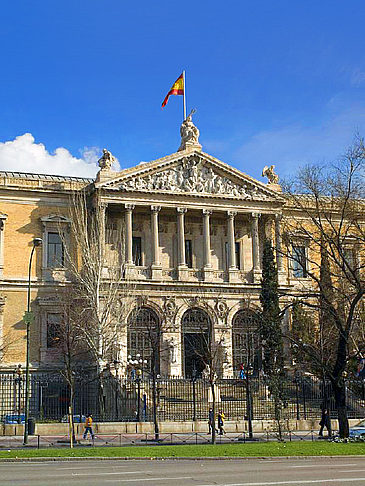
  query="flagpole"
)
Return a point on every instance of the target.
[{"x": 184, "y": 98}]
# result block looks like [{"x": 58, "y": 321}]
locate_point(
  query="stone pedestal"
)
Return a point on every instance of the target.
[
  {"x": 233, "y": 275},
  {"x": 156, "y": 272},
  {"x": 183, "y": 273},
  {"x": 130, "y": 271},
  {"x": 208, "y": 274},
  {"x": 256, "y": 276}
]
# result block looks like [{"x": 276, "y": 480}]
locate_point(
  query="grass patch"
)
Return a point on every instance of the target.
[{"x": 269, "y": 449}]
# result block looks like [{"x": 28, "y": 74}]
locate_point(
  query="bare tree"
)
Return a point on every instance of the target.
[
  {"x": 326, "y": 207},
  {"x": 94, "y": 260}
]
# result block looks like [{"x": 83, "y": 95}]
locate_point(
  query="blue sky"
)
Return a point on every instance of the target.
[{"x": 273, "y": 82}]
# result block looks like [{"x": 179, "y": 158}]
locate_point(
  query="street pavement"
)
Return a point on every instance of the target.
[
  {"x": 12, "y": 442},
  {"x": 238, "y": 472}
]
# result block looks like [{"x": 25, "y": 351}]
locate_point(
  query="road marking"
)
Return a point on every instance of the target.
[
  {"x": 152, "y": 479},
  {"x": 98, "y": 467},
  {"x": 352, "y": 470},
  {"x": 332, "y": 465},
  {"x": 109, "y": 473},
  {"x": 303, "y": 481}
]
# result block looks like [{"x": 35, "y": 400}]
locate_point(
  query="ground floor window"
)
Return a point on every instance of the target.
[
  {"x": 196, "y": 336},
  {"x": 246, "y": 341}
]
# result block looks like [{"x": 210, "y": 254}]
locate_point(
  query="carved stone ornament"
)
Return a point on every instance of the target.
[
  {"x": 193, "y": 175},
  {"x": 169, "y": 307},
  {"x": 189, "y": 133},
  {"x": 270, "y": 174},
  {"x": 221, "y": 308},
  {"x": 107, "y": 160},
  {"x": 142, "y": 300}
]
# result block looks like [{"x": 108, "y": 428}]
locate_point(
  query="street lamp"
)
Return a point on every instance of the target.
[
  {"x": 18, "y": 381},
  {"x": 137, "y": 365},
  {"x": 28, "y": 319}
]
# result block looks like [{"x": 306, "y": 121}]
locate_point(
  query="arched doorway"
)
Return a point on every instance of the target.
[
  {"x": 144, "y": 337},
  {"x": 196, "y": 336},
  {"x": 246, "y": 340}
]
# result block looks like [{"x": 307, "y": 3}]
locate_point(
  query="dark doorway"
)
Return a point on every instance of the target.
[
  {"x": 196, "y": 331},
  {"x": 195, "y": 352}
]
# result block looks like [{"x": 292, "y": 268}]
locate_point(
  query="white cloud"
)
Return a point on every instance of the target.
[{"x": 24, "y": 155}]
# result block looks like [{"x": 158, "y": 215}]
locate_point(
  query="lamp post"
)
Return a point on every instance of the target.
[
  {"x": 136, "y": 374},
  {"x": 28, "y": 319},
  {"x": 18, "y": 381}
]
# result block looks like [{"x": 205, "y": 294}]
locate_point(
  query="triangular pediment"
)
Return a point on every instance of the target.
[{"x": 191, "y": 173}]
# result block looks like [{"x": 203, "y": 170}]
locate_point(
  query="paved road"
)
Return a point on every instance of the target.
[{"x": 251, "y": 472}]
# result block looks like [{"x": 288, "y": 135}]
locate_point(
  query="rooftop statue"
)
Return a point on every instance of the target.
[
  {"x": 107, "y": 160},
  {"x": 189, "y": 133},
  {"x": 270, "y": 174}
]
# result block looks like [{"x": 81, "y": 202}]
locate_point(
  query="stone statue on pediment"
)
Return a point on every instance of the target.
[
  {"x": 269, "y": 172},
  {"x": 189, "y": 133},
  {"x": 107, "y": 160}
]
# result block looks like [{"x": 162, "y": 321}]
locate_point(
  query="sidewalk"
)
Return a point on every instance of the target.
[{"x": 104, "y": 440}]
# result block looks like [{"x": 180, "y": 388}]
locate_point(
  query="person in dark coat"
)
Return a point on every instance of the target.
[
  {"x": 325, "y": 421},
  {"x": 210, "y": 420}
]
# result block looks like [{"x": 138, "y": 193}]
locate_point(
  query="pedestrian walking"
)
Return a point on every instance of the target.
[
  {"x": 221, "y": 419},
  {"x": 210, "y": 420},
  {"x": 88, "y": 426},
  {"x": 325, "y": 421}
]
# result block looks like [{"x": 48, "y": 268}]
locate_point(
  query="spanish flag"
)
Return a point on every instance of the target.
[{"x": 177, "y": 89}]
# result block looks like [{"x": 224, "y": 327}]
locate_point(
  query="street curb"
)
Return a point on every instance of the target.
[{"x": 224, "y": 458}]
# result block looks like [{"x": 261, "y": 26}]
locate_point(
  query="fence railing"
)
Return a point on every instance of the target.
[{"x": 178, "y": 399}]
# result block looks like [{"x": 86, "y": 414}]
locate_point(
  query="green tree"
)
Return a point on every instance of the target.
[{"x": 271, "y": 333}]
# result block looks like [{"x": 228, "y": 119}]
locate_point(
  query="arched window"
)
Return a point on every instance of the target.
[
  {"x": 246, "y": 340},
  {"x": 196, "y": 335},
  {"x": 144, "y": 337}
]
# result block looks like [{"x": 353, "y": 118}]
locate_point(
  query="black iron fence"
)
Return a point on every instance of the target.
[{"x": 178, "y": 399}]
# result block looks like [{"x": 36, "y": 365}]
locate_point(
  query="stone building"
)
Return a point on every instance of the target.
[{"x": 193, "y": 229}]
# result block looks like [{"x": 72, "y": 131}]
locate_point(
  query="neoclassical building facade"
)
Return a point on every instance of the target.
[{"x": 193, "y": 228}]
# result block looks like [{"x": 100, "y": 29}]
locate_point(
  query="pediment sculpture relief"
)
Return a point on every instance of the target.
[{"x": 192, "y": 176}]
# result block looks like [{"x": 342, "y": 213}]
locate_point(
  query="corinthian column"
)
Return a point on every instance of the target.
[
  {"x": 128, "y": 234},
  {"x": 181, "y": 236},
  {"x": 155, "y": 243},
  {"x": 231, "y": 240},
  {"x": 156, "y": 269},
  {"x": 206, "y": 237},
  {"x": 255, "y": 247}
]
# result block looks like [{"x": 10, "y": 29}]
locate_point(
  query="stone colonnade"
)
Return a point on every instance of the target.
[{"x": 207, "y": 269}]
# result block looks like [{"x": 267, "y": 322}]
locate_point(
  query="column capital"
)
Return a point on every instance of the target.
[
  {"x": 207, "y": 212},
  {"x": 231, "y": 214},
  {"x": 255, "y": 215},
  {"x": 129, "y": 207},
  {"x": 181, "y": 210},
  {"x": 278, "y": 216},
  {"x": 155, "y": 209}
]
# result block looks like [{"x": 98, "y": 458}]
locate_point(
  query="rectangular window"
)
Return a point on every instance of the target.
[
  {"x": 299, "y": 262},
  {"x": 55, "y": 254},
  {"x": 189, "y": 253},
  {"x": 53, "y": 330},
  {"x": 349, "y": 256},
  {"x": 137, "y": 250}
]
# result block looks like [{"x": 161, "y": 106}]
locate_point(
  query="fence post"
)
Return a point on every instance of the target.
[
  {"x": 38, "y": 442},
  {"x": 304, "y": 403}
]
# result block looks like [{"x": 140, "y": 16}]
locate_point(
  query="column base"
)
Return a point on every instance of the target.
[
  {"x": 156, "y": 272},
  {"x": 256, "y": 275},
  {"x": 182, "y": 273},
  {"x": 233, "y": 275},
  {"x": 208, "y": 274},
  {"x": 282, "y": 277},
  {"x": 130, "y": 271}
]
